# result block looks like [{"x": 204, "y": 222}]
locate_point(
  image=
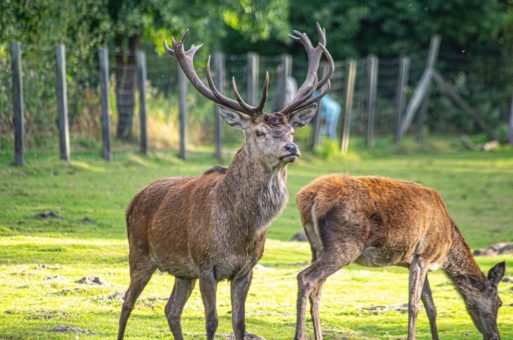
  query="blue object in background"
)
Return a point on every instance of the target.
[{"x": 330, "y": 111}]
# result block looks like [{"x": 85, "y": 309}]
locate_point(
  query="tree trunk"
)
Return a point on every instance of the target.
[{"x": 126, "y": 73}]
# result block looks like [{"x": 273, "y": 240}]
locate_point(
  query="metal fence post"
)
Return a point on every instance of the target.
[
  {"x": 346, "y": 121},
  {"x": 140, "y": 58},
  {"x": 402, "y": 82},
  {"x": 104, "y": 87},
  {"x": 17, "y": 102},
  {"x": 219, "y": 80},
  {"x": 371, "y": 98},
  {"x": 62, "y": 103},
  {"x": 182, "y": 110}
]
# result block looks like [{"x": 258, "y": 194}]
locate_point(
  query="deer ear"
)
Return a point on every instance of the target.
[
  {"x": 496, "y": 273},
  {"x": 303, "y": 116},
  {"x": 233, "y": 118}
]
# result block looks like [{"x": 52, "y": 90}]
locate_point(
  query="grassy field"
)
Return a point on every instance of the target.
[{"x": 42, "y": 259}]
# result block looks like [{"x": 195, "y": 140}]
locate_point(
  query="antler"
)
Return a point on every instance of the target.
[
  {"x": 186, "y": 61},
  {"x": 304, "y": 94}
]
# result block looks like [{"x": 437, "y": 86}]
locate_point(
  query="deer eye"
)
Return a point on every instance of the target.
[{"x": 259, "y": 133}]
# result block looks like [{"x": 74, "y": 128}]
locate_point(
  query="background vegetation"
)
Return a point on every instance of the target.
[{"x": 477, "y": 47}]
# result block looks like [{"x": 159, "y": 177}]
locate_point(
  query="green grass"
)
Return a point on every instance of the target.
[{"x": 477, "y": 187}]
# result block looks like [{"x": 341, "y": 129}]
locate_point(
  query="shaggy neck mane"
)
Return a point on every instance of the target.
[{"x": 251, "y": 193}]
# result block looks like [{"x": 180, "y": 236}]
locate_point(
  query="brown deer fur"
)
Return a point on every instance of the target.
[
  {"x": 376, "y": 221},
  {"x": 213, "y": 227}
]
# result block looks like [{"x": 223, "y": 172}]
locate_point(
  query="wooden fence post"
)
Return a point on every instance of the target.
[
  {"x": 316, "y": 131},
  {"x": 372, "y": 67},
  {"x": 346, "y": 121},
  {"x": 253, "y": 66},
  {"x": 510, "y": 127},
  {"x": 423, "y": 88},
  {"x": 219, "y": 81},
  {"x": 17, "y": 102},
  {"x": 140, "y": 58},
  {"x": 62, "y": 102},
  {"x": 402, "y": 82},
  {"x": 104, "y": 87},
  {"x": 182, "y": 110},
  {"x": 285, "y": 70}
]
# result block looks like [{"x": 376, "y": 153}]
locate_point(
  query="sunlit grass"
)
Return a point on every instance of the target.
[{"x": 41, "y": 259}]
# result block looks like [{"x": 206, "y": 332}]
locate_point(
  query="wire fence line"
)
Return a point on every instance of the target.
[{"x": 485, "y": 83}]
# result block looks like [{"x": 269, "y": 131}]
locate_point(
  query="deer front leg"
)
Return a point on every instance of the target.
[
  {"x": 427, "y": 300},
  {"x": 418, "y": 271},
  {"x": 239, "y": 288},
  {"x": 181, "y": 292},
  {"x": 208, "y": 288}
]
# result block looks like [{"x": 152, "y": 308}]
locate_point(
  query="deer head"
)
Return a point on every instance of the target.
[
  {"x": 268, "y": 136},
  {"x": 483, "y": 302}
]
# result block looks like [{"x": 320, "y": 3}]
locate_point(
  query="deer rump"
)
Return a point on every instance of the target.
[
  {"x": 383, "y": 221},
  {"x": 174, "y": 221}
]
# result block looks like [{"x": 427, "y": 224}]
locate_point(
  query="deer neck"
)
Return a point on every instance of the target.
[
  {"x": 461, "y": 267},
  {"x": 252, "y": 193}
]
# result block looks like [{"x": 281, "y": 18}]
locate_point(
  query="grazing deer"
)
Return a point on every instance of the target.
[
  {"x": 379, "y": 222},
  {"x": 213, "y": 227}
]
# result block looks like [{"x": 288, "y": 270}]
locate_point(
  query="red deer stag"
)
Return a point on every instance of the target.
[
  {"x": 380, "y": 222},
  {"x": 213, "y": 227}
]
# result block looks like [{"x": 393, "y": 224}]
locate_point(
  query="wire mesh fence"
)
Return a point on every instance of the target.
[{"x": 484, "y": 82}]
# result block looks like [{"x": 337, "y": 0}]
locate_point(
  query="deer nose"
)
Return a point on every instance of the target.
[{"x": 291, "y": 148}]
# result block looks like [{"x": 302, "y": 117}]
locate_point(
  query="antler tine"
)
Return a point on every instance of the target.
[
  {"x": 260, "y": 106},
  {"x": 331, "y": 66},
  {"x": 169, "y": 50},
  {"x": 186, "y": 61},
  {"x": 322, "y": 33},
  {"x": 317, "y": 97},
  {"x": 296, "y": 102},
  {"x": 311, "y": 82},
  {"x": 241, "y": 101}
]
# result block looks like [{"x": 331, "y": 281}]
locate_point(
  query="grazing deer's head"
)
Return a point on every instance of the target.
[
  {"x": 268, "y": 136},
  {"x": 483, "y": 302}
]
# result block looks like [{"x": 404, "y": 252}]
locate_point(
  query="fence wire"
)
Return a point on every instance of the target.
[{"x": 483, "y": 81}]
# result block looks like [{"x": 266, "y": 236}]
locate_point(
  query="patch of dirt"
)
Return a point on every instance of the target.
[
  {"x": 88, "y": 220},
  {"x": 299, "y": 237},
  {"x": 93, "y": 280},
  {"x": 495, "y": 249},
  {"x": 400, "y": 307},
  {"x": 69, "y": 291},
  {"x": 45, "y": 266},
  {"x": 47, "y": 315},
  {"x": 56, "y": 278},
  {"x": 47, "y": 214},
  {"x": 247, "y": 336},
  {"x": 69, "y": 329},
  {"x": 116, "y": 296}
]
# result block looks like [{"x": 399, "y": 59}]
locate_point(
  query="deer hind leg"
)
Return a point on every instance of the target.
[
  {"x": 182, "y": 290},
  {"x": 427, "y": 300},
  {"x": 140, "y": 274},
  {"x": 310, "y": 279},
  {"x": 315, "y": 301},
  {"x": 208, "y": 288},
  {"x": 418, "y": 271}
]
